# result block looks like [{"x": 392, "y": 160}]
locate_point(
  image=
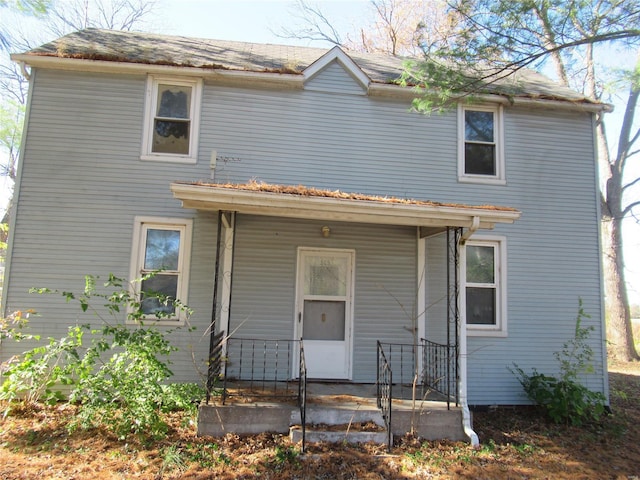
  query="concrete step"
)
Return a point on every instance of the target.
[
  {"x": 431, "y": 421},
  {"x": 339, "y": 436},
  {"x": 338, "y": 415}
]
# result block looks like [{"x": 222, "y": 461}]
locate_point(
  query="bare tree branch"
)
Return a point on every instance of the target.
[
  {"x": 316, "y": 26},
  {"x": 629, "y": 207}
]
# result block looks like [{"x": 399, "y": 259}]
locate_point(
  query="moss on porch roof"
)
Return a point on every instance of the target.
[{"x": 303, "y": 191}]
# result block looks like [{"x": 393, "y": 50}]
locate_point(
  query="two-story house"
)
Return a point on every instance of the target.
[{"x": 291, "y": 193}]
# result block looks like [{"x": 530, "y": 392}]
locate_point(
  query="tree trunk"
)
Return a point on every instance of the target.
[{"x": 619, "y": 331}]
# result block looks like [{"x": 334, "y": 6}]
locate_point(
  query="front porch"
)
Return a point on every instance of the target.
[
  {"x": 335, "y": 412},
  {"x": 250, "y": 390},
  {"x": 335, "y": 274}
]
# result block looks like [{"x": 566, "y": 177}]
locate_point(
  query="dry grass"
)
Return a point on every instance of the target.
[
  {"x": 304, "y": 191},
  {"x": 516, "y": 443}
]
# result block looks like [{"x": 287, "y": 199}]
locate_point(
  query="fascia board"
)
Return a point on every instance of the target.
[
  {"x": 397, "y": 91},
  {"x": 327, "y": 208},
  {"x": 102, "y": 66}
]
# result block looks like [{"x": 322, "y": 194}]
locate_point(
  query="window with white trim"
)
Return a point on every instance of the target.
[
  {"x": 161, "y": 247},
  {"x": 172, "y": 119},
  {"x": 484, "y": 286},
  {"x": 480, "y": 152}
]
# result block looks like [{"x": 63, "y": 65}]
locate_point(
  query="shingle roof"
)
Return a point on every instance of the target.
[{"x": 155, "y": 49}]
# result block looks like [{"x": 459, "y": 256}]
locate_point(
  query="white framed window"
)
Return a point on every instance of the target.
[
  {"x": 162, "y": 247},
  {"x": 481, "y": 144},
  {"x": 484, "y": 289},
  {"x": 172, "y": 119}
]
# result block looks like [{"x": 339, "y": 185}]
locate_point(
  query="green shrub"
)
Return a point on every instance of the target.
[
  {"x": 39, "y": 374},
  {"x": 119, "y": 378},
  {"x": 564, "y": 397},
  {"x": 125, "y": 391}
]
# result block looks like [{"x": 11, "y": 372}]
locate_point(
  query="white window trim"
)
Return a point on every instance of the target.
[
  {"x": 500, "y": 245},
  {"x": 184, "y": 260},
  {"x": 500, "y": 177},
  {"x": 151, "y": 99}
]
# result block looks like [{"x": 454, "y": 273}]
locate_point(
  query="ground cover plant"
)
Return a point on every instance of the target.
[
  {"x": 117, "y": 376},
  {"x": 126, "y": 420},
  {"x": 516, "y": 443}
]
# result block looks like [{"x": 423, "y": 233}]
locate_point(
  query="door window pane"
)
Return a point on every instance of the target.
[
  {"x": 323, "y": 320},
  {"x": 325, "y": 276}
]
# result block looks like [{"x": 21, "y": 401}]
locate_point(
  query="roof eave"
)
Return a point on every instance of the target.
[
  {"x": 104, "y": 66},
  {"x": 391, "y": 90},
  {"x": 207, "y": 197}
]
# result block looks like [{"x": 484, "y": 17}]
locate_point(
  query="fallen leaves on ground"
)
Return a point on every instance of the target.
[{"x": 517, "y": 443}]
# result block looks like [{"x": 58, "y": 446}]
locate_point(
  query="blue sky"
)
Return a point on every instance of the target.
[{"x": 249, "y": 20}]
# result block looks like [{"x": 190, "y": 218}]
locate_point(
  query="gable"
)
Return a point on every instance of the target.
[
  {"x": 335, "y": 78},
  {"x": 336, "y": 72}
]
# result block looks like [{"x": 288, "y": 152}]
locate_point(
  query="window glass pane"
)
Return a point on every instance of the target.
[
  {"x": 323, "y": 320},
  {"x": 480, "y": 264},
  {"x": 174, "y": 101},
  {"x": 478, "y": 126},
  {"x": 479, "y": 159},
  {"x": 163, "y": 285},
  {"x": 171, "y": 136},
  {"x": 481, "y": 306},
  {"x": 325, "y": 276},
  {"x": 162, "y": 249}
]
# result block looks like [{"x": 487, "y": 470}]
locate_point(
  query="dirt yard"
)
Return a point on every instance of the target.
[{"x": 516, "y": 444}]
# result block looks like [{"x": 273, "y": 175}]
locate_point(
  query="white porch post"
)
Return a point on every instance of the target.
[
  {"x": 421, "y": 296},
  {"x": 228, "y": 235}
]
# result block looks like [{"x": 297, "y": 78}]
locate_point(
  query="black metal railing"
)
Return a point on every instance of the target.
[
  {"x": 440, "y": 369},
  {"x": 385, "y": 391},
  {"x": 423, "y": 369},
  {"x": 403, "y": 358},
  {"x": 215, "y": 363},
  {"x": 260, "y": 368},
  {"x": 302, "y": 393}
]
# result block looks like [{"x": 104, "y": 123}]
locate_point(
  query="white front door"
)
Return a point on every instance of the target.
[{"x": 324, "y": 314}]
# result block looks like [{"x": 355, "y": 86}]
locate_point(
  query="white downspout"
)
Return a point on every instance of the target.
[
  {"x": 462, "y": 309},
  {"x": 475, "y": 223}
]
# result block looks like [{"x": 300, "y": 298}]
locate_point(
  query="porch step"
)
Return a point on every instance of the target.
[
  {"x": 348, "y": 422},
  {"x": 337, "y": 436},
  {"x": 339, "y": 414}
]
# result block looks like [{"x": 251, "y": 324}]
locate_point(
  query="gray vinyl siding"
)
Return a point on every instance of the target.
[
  {"x": 334, "y": 79},
  {"x": 264, "y": 277},
  {"x": 83, "y": 183},
  {"x": 436, "y": 289},
  {"x": 81, "y": 186}
]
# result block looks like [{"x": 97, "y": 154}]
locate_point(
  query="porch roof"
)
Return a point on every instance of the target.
[{"x": 311, "y": 203}]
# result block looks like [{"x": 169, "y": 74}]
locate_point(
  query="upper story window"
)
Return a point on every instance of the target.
[
  {"x": 480, "y": 153},
  {"x": 485, "y": 286},
  {"x": 161, "y": 246},
  {"x": 172, "y": 119}
]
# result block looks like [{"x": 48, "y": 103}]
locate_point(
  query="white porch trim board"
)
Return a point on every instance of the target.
[{"x": 213, "y": 197}]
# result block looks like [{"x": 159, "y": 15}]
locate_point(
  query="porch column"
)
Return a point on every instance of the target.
[
  {"x": 421, "y": 297},
  {"x": 228, "y": 234}
]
